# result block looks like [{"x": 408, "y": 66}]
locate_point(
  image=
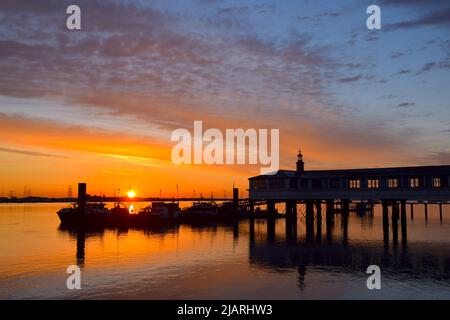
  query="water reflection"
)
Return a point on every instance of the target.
[
  {"x": 280, "y": 251},
  {"x": 81, "y": 244},
  {"x": 279, "y": 258},
  {"x": 81, "y": 235},
  {"x": 427, "y": 261}
]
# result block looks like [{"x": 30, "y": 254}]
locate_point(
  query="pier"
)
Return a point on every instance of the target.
[{"x": 351, "y": 190}]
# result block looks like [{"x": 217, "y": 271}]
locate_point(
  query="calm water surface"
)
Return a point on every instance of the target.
[{"x": 221, "y": 262}]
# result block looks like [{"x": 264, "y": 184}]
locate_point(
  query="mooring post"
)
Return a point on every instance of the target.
[
  {"x": 412, "y": 211},
  {"x": 251, "y": 209},
  {"x": 235, "y": 198},
  {"x": 385, "y": 222},
  {"x": 426, "y": 211},
  {"x": 81, "y": 244},
  {"x": 395, "y": 222},
  {"x": 403, "y": 221},
  {"x": 82, "y": 199}
]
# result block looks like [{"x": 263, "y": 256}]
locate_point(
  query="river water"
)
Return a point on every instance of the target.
[{"x": 241, "y": 261}]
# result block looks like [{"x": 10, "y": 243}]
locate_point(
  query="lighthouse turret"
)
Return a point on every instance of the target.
[{"x": 300, "y": 163}]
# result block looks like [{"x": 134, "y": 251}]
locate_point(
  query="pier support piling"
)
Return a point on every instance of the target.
[
  {"x": 319, "y": 220},
  {"x": 385, "y": 222},
  {"x": 270, "y": 209},
  {"x": 309, "y": 220},
  {"x": 270, "y": 220},
  {"x": 294, "y": 220},
  {"x": 403, "y": 221},
  {"x": 251, "y": 209},
  {"x": 251, "y": 222},
  {"x": 289, "y": 220},
  {"x": 395, "y": 215},
  {"x": 329, "y": 219},
  {"x": 440, "y": 212},
  {"x": 345, "y": 214},
  {"x": 426, "y": 211},
  {"x": 412, "y": 211}
]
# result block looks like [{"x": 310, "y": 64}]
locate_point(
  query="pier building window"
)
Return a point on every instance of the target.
[
  {"x": 393, "y": 183},
  {"x": 259, "y": 184},
  {"x": 293, "y": 183},
  {"x": 414, "y": 182},
  {"x": 334, "y": 183},
  {"x": 316, "y": 183},
  {"x": 277, "y": 184},
  {"x": 354, "y": 183},
  {"x": 373, "y": 183},
  {"x": 304, "y": 183},
  {"x": 437, "y": 182}
]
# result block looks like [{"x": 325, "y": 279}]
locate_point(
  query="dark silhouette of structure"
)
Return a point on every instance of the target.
[{"x": 351, "y": 189}]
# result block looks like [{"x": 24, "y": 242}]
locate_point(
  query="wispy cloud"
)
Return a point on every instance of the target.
[
  {"x": 31, "y": 153},
  {"x": 350, "y": 79},
  {"x": 432, "y": 19},
  {"x": 406, "y": 104}
]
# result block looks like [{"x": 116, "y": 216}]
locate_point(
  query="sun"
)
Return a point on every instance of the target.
[{"x": 131, "y": 194}]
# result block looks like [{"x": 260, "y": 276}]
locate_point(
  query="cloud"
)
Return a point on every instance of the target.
[
  {"x": 31, "y": 153},
  {"x": 440, "y": 158},
  {"x": 144, "y": 61},
  {"x": 441, "y": 17},
  {"x": 350, "y": 79},
  {"x": 318, "y": 17},
  {"x": 169, "y": 68},
  {"x": 413, "y": 2},
  {"x": 404, "y": 71},
  {"x": 406, "y": 104},
  {"x": 397, "y": 55},
  {"x": 443, "y": 64}
]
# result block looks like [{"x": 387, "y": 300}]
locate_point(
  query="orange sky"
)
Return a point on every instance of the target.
[{"x": 48, "y": 157}]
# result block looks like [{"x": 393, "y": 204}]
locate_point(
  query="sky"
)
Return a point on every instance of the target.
[{"x": 99, "y": 104}]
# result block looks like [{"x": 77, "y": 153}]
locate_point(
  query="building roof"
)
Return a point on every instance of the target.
[{"x": 393, "y": 171}]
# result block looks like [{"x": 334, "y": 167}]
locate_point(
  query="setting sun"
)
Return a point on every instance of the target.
[{"x": 131, "y": 194}]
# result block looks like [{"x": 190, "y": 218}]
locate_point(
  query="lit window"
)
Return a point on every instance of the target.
[
  {"x": 373, "y": 183},
  {"x": 414, "y": 182},
  {"x": 354, "y": 184},
  {"x": 437, "y": 182},
  {"x": 393, "y": 183}
]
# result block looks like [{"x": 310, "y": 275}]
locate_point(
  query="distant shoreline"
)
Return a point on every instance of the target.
[{"x": 103, "y": 199}]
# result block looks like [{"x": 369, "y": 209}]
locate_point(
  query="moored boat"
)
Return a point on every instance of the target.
[
  {"x": 161, "y": 210},
  {"x": 94, "y": 212}
]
